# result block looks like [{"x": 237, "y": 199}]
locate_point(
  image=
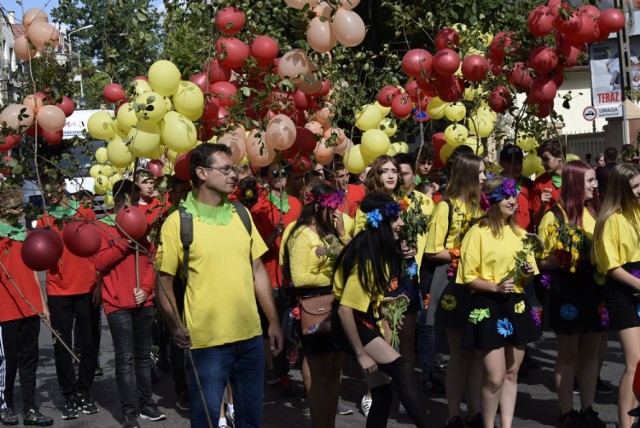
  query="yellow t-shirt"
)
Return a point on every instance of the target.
[
  {"x": 489, "y": 258},
  {"x": 439, "y": 224},
  {"x": 550, "y": 242},
  {"x": 352, "y": 294},
  {"x": 619, "y": 243},
  {"x": 306, "y": 268},
  {"x": 219, "y": 302}
]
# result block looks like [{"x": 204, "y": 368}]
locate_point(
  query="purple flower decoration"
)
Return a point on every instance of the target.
[
  {"x": 504, "y": 327},
  {"x": 536, "y": 314},
  {"x": 569, "y": 311},
  {"x": 547, "y": 279},
  {"x": 331, "y": 200},
  {"x": 505, "y": 190},
  {"x": 392, "y": 210},
  {"x": 604, "y": 315},
  {"x": 485, "y": 205},
  {"x": 635, "y": 273}
]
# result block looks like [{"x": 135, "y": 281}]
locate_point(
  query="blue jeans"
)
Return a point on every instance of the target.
[
  {"x": 241, "y": 363},
  {"x": 131, "y": 334}
]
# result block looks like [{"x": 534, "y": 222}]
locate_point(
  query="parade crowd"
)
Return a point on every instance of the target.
[{"x": 243, "y": 273}]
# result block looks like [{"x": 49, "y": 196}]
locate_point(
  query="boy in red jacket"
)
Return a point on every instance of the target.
[{"x": 129, "y": 312}]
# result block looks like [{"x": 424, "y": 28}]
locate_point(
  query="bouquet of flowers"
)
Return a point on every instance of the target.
[
  {"x": 331, "y": 250},
  {"x": 415, "y": 222},
  {"x": 393, "y": 308},
  {"x": 531, "y": 245},
  {"x": 571, "y": 244}
]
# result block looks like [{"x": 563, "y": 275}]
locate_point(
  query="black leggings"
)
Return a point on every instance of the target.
[{"x": 406, "y": 383}]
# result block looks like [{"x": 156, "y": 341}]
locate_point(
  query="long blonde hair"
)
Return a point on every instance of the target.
[
  {"x": 493, "y": 218},
  {"x": 464, "y": 184},
  {"x": 619, "y": 198}
]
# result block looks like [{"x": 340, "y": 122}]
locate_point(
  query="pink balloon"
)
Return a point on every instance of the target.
[
  {"x": 225, "y": 93},
  {"x": 264, "y": 49},
  {"x": 417, "y": 63},
  {"x": 236, "y": 141},
  {"x": 17, "y": 116},
  {"x": 348, "y": 27},
  {"x": 217, "y": 72},
  {"x": 446, "y": 61},
  {"x": 40, "y": 33},
  {"x": 23, "y": 49},
  {"x": 52, "y": 138},
  {"x": 236, "y": 51},
  {"x": 51, "y": 118},
  {"x": 230, "y": 20},
  {"x": 114, "y": 93},
  {"x": 66, "y": 105},
  {"x": 320, "y": 35},
  {"x": 281, "y": 132},
  {"x": 611, "y": 20},
  {"x": 259, "y": 153},
  {"x": 475, "y": 67}
]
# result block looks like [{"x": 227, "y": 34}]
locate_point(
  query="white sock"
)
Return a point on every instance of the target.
[
  {"x": 230, "y": 408},
  {"x": 222, "y": 421}
]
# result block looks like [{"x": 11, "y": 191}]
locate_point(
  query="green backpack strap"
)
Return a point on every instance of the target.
[
  {"x": 186, "y": 238},
  {"x": 243, "y": 212}
]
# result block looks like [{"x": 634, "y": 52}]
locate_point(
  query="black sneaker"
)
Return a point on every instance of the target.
[
  {"x": 571, "y": 419},
  {"x": 432, "y": 385},
  {"x": 475, "y": 421},
  {"x": 455, "y": 422},
  {"x": 85, "y": 404},
  {"x": 591, "y": 420},
  {"x": 98, "y": 372},
  {"x": 8, "y": 417},
  {"x": 130, "y": 420},
  {"x": 35, "y": 418},
  {"x": 152, "y": 413},
  {"x": 604, "y": 389},
  {"x": 182, "y": 402},
  {"x": 70, "y": 409}
]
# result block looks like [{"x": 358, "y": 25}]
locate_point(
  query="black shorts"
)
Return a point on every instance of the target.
[{"x": 366, "y": 326}]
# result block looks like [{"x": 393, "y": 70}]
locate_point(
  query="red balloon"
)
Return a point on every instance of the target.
[
  {"x": 427, "y": 87},
  {"x": 201, "y": 80},
  {"x": 413, "y": 90},
  {"x": 447, "y": 38},
  {"x": 304, "y": 144},
  {"x": 386, "y": 94},
  {"x": 264, "y": 49},
  {"x": 41, "y": 249},
  {"x": 224, "y": 92},
  {"x": 540, "y": 110},
  {"x": 553, "y": 6},
  {"x": 543, "y": 90},
  {"x": 211, "y": 108},
  {"x": 496, "y": 63},
  {"x": 587, "y": 32},
  {"x": 475, "y": 67},
  {"x": 401, "y": 106},
  {"x": 131, "y": 222},
  {"x": 446, "y": 61},
  {"x": 181, "y": 166},
  {"x": 504, "y": 43},
  {"x": 417, "y": 63},
  {"x": 438, "y": 141},
  {"x": 66, "y": 105},
  {"x": 82, "y": 238},
  {"x": 590, "y": 10},
  {"x": 611, "y": 20},
  {"x": 301, "y": 100},
  {"x": 52, "y": 138},
  {"x": 10, "y": 141},
  {"x": 230, "y": 20},
  {"x": 155, "y": 166},
  {"x": 520, "y": 77},
  {"x": 543, "y": 59},
  {"x": 236, "y": 51},
  {"x": 114, "y": 93},
  {"x": 217, "y": 72},
  {"x": 569, "y": 22},
  {"x": 281, "y": 102},
  {"x": 301, "y": 163},
  {"x": 500, "y": 99},
  {"x": 326, "y": 87},
  {"x": 540, "y": 21},
  {"x": 449, "y": 88}
]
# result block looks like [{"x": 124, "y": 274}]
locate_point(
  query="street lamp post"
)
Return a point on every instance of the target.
[{"x": 71, "y": 53}]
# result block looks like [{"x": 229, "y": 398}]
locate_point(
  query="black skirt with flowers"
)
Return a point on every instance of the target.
[
  {"x": 496, "y": 320},
  {"x": 407, "y": 284},
  {"x": 454, "y": 306},
  {"x": 623, "y": 301},
  {"x": 366, "y": 325}
]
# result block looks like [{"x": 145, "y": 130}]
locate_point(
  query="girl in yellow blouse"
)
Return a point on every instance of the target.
[
  {"x": 616, "y": 251},
  {"x": 365, "y": 270},
  {"x": 500, "y": 322},
  {"x": 575, "y": 303},
  {"x": 449, "y": 303},
  {"x": 311, "y": 247}
]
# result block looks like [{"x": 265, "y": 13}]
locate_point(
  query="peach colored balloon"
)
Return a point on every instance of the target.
[
  {"x": 259, "y": 153},
  {"x": 34, "y": 102},
  {"x": 314, "y": 127},
  {"x": 320, "y": 35},
  {"x": 51, "y": 118},
  {"x": 299, "y": 4},
  {"x": 349, "y": 4},
  {"x": 343, "y": 148},
  {"x": 340, "y": 138},
  {"x": 323, "y": 9},
  {"x": 17, "y": 116},
  {"x": 324, "y": 154},
  {"x": 348, "y": 27},
  {"x": 55, "y": 38},
  {"x": 310, "y": 85},
  {"x": 281, "y": 132},
  {"x": 40, "y": 34},
  {"x": 22, "y": 48},
  {"x": 293, "y": 64},
  {"x": 323, "y": 117},
  {"x": 35, "y": 14},
  {"x": 236, "y": 140}
]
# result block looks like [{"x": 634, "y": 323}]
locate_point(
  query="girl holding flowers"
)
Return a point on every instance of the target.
[
  {"x": 497, "y": 261},
  {"x": 575, "y": 307},
  {"x": 311, "y": 245},
  {"x": 616, "y": 251},
  {"x": 449, "y": 305},
  {"x": 364, "y": 272}
]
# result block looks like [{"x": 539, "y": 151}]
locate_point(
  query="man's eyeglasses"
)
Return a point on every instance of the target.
[
  {"x": 225, "y": 170},
  {"x": 279, "y": 173}
]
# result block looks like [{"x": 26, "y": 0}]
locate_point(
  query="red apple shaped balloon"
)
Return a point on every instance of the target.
[
  {"x": 82, "y": 238},
  {"x": 42, "y": 249},
  {"x": 132, "y": 222}
]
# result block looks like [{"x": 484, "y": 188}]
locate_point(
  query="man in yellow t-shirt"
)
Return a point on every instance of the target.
[{"x": 220, "y": 325}]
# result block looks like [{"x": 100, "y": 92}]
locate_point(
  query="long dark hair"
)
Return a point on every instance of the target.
[{"x": 374, "y": 250}]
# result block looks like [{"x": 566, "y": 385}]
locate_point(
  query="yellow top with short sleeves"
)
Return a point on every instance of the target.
[
  {"x": 619, "y": 243},
  {"x": 219, "y": 302},
  {"x": 353, "y": 295},
  {"x": 439, "y": 224},
  {"x": 550, "y": 242},
  {"x": 490, "y": 258}
]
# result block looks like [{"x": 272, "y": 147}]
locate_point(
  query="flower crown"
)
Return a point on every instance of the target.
[
  {"x": 505, "y": 190},
  {"x": 331, "y": 200},
  {"x": 390, "y": 210}
]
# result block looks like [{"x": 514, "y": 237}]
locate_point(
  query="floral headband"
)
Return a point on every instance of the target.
[
  {"x": 390, "y": 210},
  {"x": 505, "y": 190},
  {"x": 331, "y": 200}
]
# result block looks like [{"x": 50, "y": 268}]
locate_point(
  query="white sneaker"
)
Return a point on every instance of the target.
[{"x": 365, "y": 405}]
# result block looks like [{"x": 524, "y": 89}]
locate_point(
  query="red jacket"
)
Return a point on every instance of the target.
[
  {"x": 12, "y": 305},
  {"x": 117, "y": 264}
]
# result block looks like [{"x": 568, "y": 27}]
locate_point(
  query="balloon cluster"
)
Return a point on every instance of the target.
[
  {"x": 332, "y": 24},
  {"x": 38, "y": 36}
]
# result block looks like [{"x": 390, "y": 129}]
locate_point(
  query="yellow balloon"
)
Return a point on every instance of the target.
[
  {"x": 164, "y": 77},
  {"x": 118, "y": 153},
  {"x": 445, "y": 152},
  {"x": 571, "y": 157},
  {"x": 353, "y": 160},
  {"x": 108, "y": 170},
  {"x": 169, "y": 104},
  {"x": 115, "y": 178},
  {"x": 389, "y": 127},
  {"x": 171, "y": 155},
  {"x": 401, "y": 147},
  {"x": 456, "y": 134},
  {"x": 100, "y": 185},
  {"x": 526, "y": 142},
  {"x": 374, "y": 143},
  {"x": 484, "y": 110},
  {"x": 100, "y": 125},
  {"x": 531, "y": 164},
  {"x": 156, "y": 153},
  {"x": 126, "y": 117},
  {"x": 384, "y": 110},
  {"x": 188, "y": 100},
  {"x": 167, "y": 168},
  {"x": 141, "y": 86},
  {"x": 108, "y": 200},
  {"x": 392, "y": 151},
  {"x": 477, "y": 147},
  {"x": 179, "y": 133},
  {"x": 368, "y": 118},
  {"x": 435, "y": 108},
  {"x": 101, "y": 155},
  {"x": 144, "y": 138},
  {"x": 482, "y": 126},
  {"x": 455, "y": 112},
  {"x": 94, "y": 171},
  {"x": 152, "y": 107}
]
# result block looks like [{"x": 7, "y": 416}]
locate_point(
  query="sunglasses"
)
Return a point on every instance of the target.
[{"x": 279, "y": 173}]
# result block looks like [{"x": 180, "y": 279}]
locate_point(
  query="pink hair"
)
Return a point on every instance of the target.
[{"x": 573, "y": 191}]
